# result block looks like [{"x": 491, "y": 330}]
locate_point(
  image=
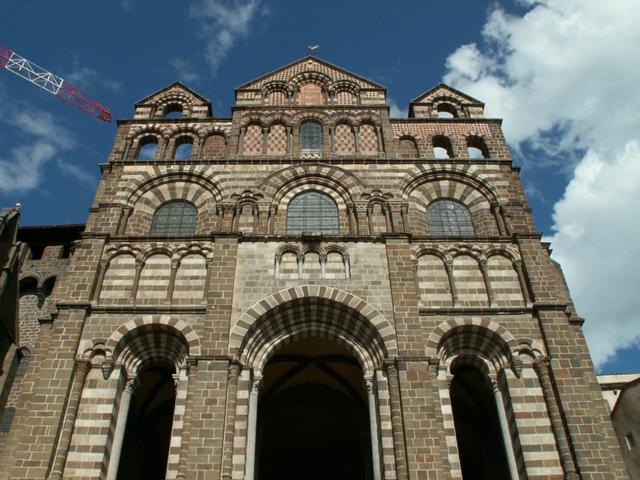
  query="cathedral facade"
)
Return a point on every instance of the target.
[{"x": 308, "y": 289}]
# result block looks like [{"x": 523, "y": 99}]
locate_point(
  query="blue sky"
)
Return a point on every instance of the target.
[{"x": 557, "y": 71}]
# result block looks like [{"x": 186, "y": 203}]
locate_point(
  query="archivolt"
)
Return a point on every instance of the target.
[
  {"x": 135, "y": 192},
  {"x": 338, "y": 177},
  {"x": 469, "y": 338},
  {"x": 446, "y": 173},
  {"x": 312, "y": 311},
  {"x": 152, "y": 338}
]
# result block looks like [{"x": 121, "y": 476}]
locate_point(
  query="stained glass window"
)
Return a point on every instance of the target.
[
  {"x": 449, "y": 217},
  {"x": 311, "y": 136},
  {"x": 176, "y": 217},
  {"x": 312, "y": 211}
]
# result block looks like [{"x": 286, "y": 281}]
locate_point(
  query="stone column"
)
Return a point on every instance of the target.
[
  {"x": 487, "y": 283},
  {"x": 208, "y": 265},
  {"x": 356, "y": 139},
  {"x": 396, "y": 219},
  {"x": 121, "y": 424},
  {"x": 186, "y": 420},
  {"x": 332, "y": 135},
  {"x": 124, "y": 219},
  {"x": 523, "y": 283},
  {"x": 230, "y": 421},
  {"x": 136, "y": 279},
  {"x": 448, "y": 265},
  {"x": 163, "y": 148},
  {"x": 265, "y": 136},
  {"x": 380, "y": 142},
  {"x": 495, "y": 209},
  {"x": 504, "y": 429},
  {"x": 97, "y": 288},
  {"x": 396, "y": 422},
  {"x": 373, "y": 422},
  {"x": 241, "y": 141},
  {"x": 82, "y": 369},
  {"x": 289, "y": 135},
  {"x": 541, "y": 366},
  {"x": 127, "y": 147},
  {"x": 175, "y": 264},
  {"x": 362, "y": 217},
  {"x": 252, "y": 427}
]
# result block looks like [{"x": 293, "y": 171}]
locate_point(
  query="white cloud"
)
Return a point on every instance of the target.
[
  {"x": 395, "y": 111},
  {"x": 223, "y": 22},
  {"x": 185, "y": 69},
  {"x": 563, "y": 78},
  {"x": 74, "y": 171},
  {"x": 40, "y": 139},
  {"x": 85, "y": 78},
  {"x": 22, "y": 169}
]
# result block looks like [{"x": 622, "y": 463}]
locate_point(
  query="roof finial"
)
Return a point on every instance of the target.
[{"x": 312, "y": 48}]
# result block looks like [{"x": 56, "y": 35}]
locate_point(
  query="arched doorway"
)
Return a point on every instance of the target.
[
  {"x": 313, "y": 416},
  {"x": 147, "y": 436},
  {"x": 480, "y": 445}
]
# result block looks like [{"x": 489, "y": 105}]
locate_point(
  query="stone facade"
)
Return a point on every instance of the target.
[{"x": 387, "y": 307}]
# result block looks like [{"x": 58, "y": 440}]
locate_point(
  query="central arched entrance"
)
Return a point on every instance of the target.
[{"x": 313, "y": 416}]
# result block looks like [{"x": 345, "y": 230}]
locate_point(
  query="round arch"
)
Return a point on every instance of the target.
[
  {"x": 306, "y": 311},
  {"x": 149, "y": 324},
  {"x": 469, "y": 337},
  {"x": 410, "y": 184}
]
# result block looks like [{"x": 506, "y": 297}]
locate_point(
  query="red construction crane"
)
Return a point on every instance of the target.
[{"x": 37, "y": 75}]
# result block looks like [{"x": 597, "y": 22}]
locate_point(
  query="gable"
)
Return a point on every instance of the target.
[
  {"x": 310, "y": 65},
  {"x": 191, "y": 102},
  {"x": 445, "y": 91}
]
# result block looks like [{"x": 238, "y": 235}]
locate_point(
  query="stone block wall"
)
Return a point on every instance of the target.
[{"x": 216, "y": 303}]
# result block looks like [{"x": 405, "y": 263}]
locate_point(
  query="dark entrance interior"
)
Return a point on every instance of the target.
[
  {"x": 480, "y": 444},
  {"x": 145, "y": 449},
  {"x": 313, "y": 418}
]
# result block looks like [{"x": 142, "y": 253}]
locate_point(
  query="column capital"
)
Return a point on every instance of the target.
[
  {"x": 234, "y": 370},
  {"x": 370, "y": 385}
]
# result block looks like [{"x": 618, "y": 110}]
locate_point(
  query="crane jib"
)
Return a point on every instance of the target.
[{"x": 50, "y": 82}]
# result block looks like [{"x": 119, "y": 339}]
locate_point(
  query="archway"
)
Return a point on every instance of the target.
[
  {"x": 145, "y": 448},
  {"x": 313, "y": 417},
  {"x": 480, "y": 446}
]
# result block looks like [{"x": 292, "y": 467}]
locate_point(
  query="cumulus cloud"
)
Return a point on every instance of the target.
[
  {"x": 395, "y": 111},
  {"x": 39, "y": 139},
  {"x": 561, "y": 77},
  {"x": 222, "y": 24}
]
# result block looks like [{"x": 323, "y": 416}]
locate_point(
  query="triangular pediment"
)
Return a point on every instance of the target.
[
  {"x": 310, "y": 65},
  {"x": 445, "y": 91},
  {"x": 176, "y": 89}
]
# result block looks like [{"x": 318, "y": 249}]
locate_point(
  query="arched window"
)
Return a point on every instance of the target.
[
  {"x": 311, "y": 136},
  {"x": 173, "y": 110},
  {"x": 446, "y": 110},
  {"x": 408, "y": 148},
  {"x": 312, "y": 211},
  {"x": 184, "y": 148},
  {"x": 442, "y": 147},
  {"x": 176, "y": 217},
  {"x": 477, "y": 148},
  {"x": 449, "y": 217},
  {"x": 147, "y": 148}
]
